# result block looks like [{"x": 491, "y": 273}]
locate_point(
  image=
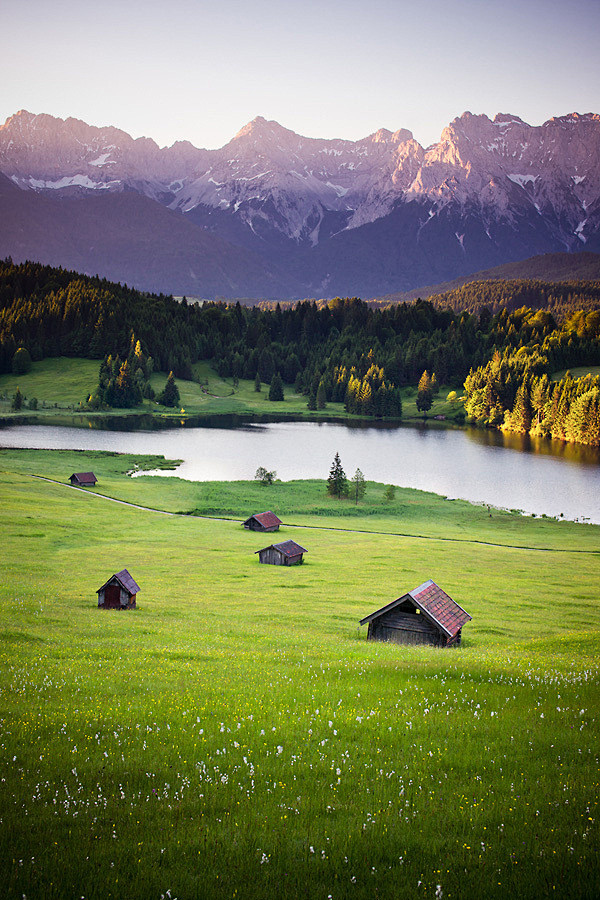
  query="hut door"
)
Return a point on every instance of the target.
[{"x": 112, "y": 596}]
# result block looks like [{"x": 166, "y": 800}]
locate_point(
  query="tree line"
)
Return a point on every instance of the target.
[
  {"x": 342, "y": 350},
  {"x": 514, "y": 390}
]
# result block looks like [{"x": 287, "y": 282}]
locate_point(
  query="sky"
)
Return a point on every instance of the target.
[{"x": 199, "y": 70}]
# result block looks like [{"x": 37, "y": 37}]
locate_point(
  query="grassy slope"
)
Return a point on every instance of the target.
[
  {"x": 577, "y": 372},
  {"x": 67, "y": 382},
  {"x": 237, "y": 737}
]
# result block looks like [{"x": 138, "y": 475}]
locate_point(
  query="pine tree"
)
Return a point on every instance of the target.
[
  {"x": 170, "y": 395},
  {"x": 276, "y": 389},
  {"x": 424, "y": 393},
  {"x": 358, "y": 486},
  {"x": 521, "y": 415},
  {"x": 257, "y": 383},
  {"x": 337, "y": 483},
  {"x": 321, "y": 398},
  {"x": 17, "y": 401}
]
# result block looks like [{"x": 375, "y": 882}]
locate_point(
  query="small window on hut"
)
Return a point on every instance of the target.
[{"x": 408, "y": 607}]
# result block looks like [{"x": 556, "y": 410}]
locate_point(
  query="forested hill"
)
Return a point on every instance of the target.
[
  {"x": 346, "y": 349},
  {"x": 547, "y": 267},
  {"x": 560, "y": 298}
]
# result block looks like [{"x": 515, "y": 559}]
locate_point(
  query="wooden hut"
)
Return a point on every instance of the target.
[
  {"x": 425, "y": 615},
  {"x": 265, "y": 521},
  {"x": 288, "y": 553},
  {"x": 83, "y": 479},
  {"x": 119, "y": 592}
]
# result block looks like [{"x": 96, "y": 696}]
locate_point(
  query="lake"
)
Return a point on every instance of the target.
[{"x": 483, "y": 466}]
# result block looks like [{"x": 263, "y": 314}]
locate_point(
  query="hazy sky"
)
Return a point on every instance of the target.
[{"x": 201, "y": 69}]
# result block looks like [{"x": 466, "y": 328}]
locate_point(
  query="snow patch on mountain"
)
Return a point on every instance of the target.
[
  {"x": 522, "y": 180},
  {"x": 81, "y": 181},
  {"x": 102, "y": 160},
  {"x": 268, "y": 177}
]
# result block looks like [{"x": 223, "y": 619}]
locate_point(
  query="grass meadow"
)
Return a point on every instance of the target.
[
  {"x": 236, "y": 736},
  {"x": 61, "y": 384}
]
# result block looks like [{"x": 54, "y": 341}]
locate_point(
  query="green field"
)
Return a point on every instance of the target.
[
  {"x": 62, "y": 384},
  {"x": 577, "y": 372},
  {"x": 237, "y": 736}
]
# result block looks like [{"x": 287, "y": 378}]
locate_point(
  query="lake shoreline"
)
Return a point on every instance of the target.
[
  {"x": 513, "y": 472},
  {"x": 149, "y": 421}
]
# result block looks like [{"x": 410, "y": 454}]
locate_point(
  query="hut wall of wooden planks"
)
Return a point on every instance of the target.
[
  {"x": 425, "y": 615},
  {"x": 83, "y": 479},
  {"x": 288, "y": 553},
  {"x": 119, "y": 592}
]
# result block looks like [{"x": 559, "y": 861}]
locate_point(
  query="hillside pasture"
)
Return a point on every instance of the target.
[
  {"x": 237, "y": 736},
  {"x": 64, "y": 383}
]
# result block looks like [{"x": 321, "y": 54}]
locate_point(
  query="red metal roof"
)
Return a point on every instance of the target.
[
  {"x": 288, "y": 548},
  {"x": 434, "y": 603},
  {"x": 124, "y": 579},
  {"x": 267, "y": 519}
]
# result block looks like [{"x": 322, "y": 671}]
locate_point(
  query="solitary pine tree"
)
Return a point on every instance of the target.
[
  {"x": 321, "y": 398},
  {"x": 424, "y": 393},
  {"x": 170, "y": 395},
  {"x": 17, "y": 400},
  {"x": 276, "y": 389},
  {"x": 358, "y": 486},
  {"x": 337, "y": 483},
  {"x": 389, "y": 493},
  {"x": 257, "y": 383}
]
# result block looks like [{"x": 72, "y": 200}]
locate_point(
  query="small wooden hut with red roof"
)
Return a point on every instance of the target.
[
  {"x": 119, "y": 592},
  {"x": 83, "y": 479},
  {"x": 265, "y": 521},
  {"x": 288, "y": 553},
  {"x": 425, "y": 615}
]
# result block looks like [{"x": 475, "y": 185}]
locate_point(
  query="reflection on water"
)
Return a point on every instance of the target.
[
  {"x": 525, "y": 443},
  {"x": 511, "y": 471}
]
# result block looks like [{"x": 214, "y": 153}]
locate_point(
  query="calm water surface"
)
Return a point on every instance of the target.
[{"x": 482, "y": 466}]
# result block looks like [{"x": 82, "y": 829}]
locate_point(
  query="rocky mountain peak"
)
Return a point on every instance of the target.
[
  {"x": 273, "y": 185},
  {"x": 573, "y": 119},
  {"x": 505, "y": 119},
  {"x": 260, "y": 129},
  {"x": 384, "y": 136}
]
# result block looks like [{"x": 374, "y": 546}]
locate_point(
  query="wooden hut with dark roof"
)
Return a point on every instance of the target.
[
  {"x": 119, "y": 592},
  {"x": 265, "y": 521},
  {"x": 83, "y": 479},
  {"x": 425, "y": 615},
  {"x": 288, "y": 553}
]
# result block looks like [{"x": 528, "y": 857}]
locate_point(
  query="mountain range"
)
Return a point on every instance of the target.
[{"x": 273, "y": 214}]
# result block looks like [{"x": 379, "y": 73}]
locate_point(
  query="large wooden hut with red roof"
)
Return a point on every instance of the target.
[
  {"x": 425, "y": 615},
  {"x": 265, "y": 521},
  {"x": 119, "y": 592},
  {"x": 287, "y": 553}
]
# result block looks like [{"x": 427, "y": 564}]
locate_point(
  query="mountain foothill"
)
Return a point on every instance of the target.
[{"x": 275, "y": 215}]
